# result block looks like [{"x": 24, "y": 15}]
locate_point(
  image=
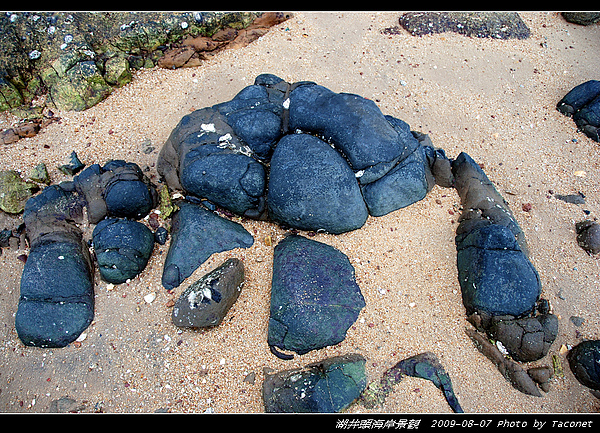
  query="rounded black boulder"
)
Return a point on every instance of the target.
[
  {"x": 584, "y": 361},
  {"x": 314, "y": 296},
  {"x": 122, "y": 247},
  {"x": 311, "y": 187}
]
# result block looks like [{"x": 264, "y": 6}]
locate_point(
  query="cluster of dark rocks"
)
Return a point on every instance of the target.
[{"x": 306, "y": 158}]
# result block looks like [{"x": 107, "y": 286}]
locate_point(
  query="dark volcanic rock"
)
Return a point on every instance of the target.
[
  {"x": 408, "y": 182},
  {"x": 526, "y": 339},
  {"x": 329, "y": 386},
  {"x": 588, "y": 236},
  {"x": 494, "y": 274},
  {"x": 494, "y": 270},
  {"x": 314, "y": 296},
  {"x": 118, "y": 189},
  {"x": 311, "y": 187},
  {"x": 584, "y": 361},
  {"x": 205, "y": 158},
  {"x": 352, "y": 123},
  {"x": 196, "y": 234},
  {"x": 56, "y": 301},
  {"x": 498, "y": 25},
  {"x": 581, "y": 18},
  {"x": 425, "y": 366},
  {"x": 122, "y": 247},
  {"x": 206, "y": 302}
]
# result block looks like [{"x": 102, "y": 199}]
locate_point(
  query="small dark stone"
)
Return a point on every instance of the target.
[
  {"x": 588, "y": 236},
  {"x": 206, "y": 302},
  {"x": 73, "y": 167},
  {"x": 541, "y": 375},
  {"x": 160, "y": 235},
  {"x": 577, "y": 321}
]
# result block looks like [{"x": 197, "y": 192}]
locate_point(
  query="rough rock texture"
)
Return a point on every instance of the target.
[
  {"x": 123, "y": 248},
  {"x": 499, "y": 25},
  {"x": 196, "y": 234},
  {"x": 56, "y": 301},
  {"x": 312, "y": 187},
  {"x": 304, "y": 156},
  {"x": 314, "y": 296},
  {"x": 204, "y": 158},
  {"x": 584, "y": 361},
  {"x": 512, "y": 371},
  {"x": 329, "y": 386},
  {"x": 79, "y": 58},
  {"x": 581, "y": 18},
  {"x": 526, "y": 339},
  {"x": 118, "y": 189},
  {"x": 582, "y": 103},
  {"x": 206, "y": 302},
  {"x": 14, "y": 191}
]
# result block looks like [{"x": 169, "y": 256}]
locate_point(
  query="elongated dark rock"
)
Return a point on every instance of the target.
[
  {"x": 196, "y": 234},
  {"x": 425, "y": 366},
  {"x": 512, "y": 371},
  {"x": 494, "y": 270},
  {"x": 56, "y": 302}
]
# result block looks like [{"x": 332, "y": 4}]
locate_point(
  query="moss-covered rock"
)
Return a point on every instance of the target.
[{"x": 80, "y": 57}]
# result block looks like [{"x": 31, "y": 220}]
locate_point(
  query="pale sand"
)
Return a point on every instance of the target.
[{"x": 494, "y": 99}]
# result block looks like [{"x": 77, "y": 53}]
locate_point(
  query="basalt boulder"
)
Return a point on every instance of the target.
[
  {"x": 584, "y": 361},
  {"x": 494, "y": 270},
  {"x": 314, "y": 296},
  {"x": 56, "y": 302},
  {"x": 204, "y": 158},
  {"x": 123, "y": 248},
  {"x": 117, "y": 189},
  {"x": 311, "y": 187}
]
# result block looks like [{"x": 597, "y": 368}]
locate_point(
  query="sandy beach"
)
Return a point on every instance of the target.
[{"x": 494, "y": 99}]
